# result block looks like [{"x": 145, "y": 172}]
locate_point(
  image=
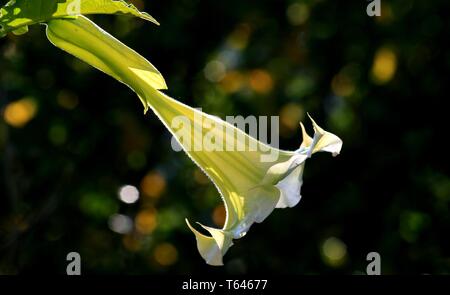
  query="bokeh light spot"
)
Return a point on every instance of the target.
[
  {"x": 233, "y": 81},
  {"x": 439, "y": 184},
  {"x": 334, "y": 252},
  {"x": 297, "y": 13},
  {"x": 128, "y": 194},
  {"x": 412, "y": 223},
  {"x": 98, "y": 205},
  {"x": 145, "y": 221},
  {"x": 166, "y": 254},
  {"x": 214, "y": 71},
  {"x": 291, "y": 115},
  {"x": 261, "y": 81},
  {"x": 384, "y": 66},
  {"x": 19, "y": 113},
  {"x": 120, "y": 223},
  {"x": 342, "y": 85},
  {"x": 299, "y": 86},
  {"x": 57, "y": 134},
  {"x": 153, "y": 184}
]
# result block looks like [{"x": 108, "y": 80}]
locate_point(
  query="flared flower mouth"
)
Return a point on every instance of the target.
[
  {"x": 250, "y": 188},
  {"x": 273, "y": 186}
]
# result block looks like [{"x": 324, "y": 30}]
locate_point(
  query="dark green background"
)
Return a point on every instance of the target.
[{"x": 388, "y": 191}]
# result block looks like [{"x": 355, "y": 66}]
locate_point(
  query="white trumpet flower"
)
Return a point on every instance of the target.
[{"x": 250, "y": 188}]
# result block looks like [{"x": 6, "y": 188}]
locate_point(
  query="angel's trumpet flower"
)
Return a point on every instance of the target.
[{"x": 250, "y": 188}]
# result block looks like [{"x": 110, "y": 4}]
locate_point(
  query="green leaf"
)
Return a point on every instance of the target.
[
  {"x": 20, "y": 31},
  {"x": 16, "y": 15}
]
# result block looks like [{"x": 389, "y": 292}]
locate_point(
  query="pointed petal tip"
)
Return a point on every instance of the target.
[
  {"x": 212, "y": 248},
  {"x": 155, "y": 21},
  {"x": 309, "y": 116},
  {"x": 192, "y": 228},
  {"x": 306, "y": 139},
  {"x": 149, "y": 18},
  {"x": 303, "y": 129},
  {"x": 316, "y": 127},
  {"x": 326, "y": 141}
]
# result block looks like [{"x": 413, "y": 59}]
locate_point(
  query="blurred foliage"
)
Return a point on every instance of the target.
[{"x": 379, "y": 83}]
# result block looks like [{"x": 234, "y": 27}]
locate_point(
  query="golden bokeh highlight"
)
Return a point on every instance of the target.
[
  {"x": 384, "y": 66},
  {"x": 19, "y": 113},
  {"x": 153, "y": 185},
  {"x": 334, "y": 252},
  {"x": 219, "y": 215},
  {"x": 233, "y": 81},
  {"x": 261, "y": 81},
  {"x": 291, "y": 115},
  {"x": 146, "y": 221},
  {"x": 166, "y": 254}
]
